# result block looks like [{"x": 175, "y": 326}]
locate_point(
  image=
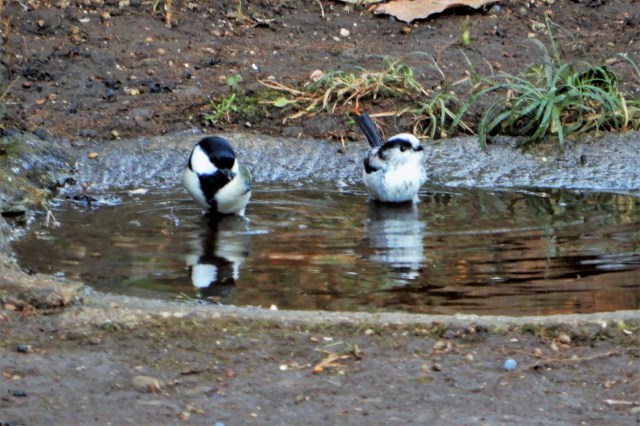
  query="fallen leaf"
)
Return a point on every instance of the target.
[
  {"x": 282, "y": 102},
  {"x": 410, "y": 10},
  {"x": 331, "y": 361}
]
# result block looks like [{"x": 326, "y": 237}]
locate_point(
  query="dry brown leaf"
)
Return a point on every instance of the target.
[
  {"x": 409, "y": 10},
  {"x": 331, "y": 361}
]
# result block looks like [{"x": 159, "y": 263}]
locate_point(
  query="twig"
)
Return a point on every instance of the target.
[
  {"x": 6, "y": 91},
  {"x": 279, "y": 86},
  {"x": 547, "y": 360},
  {"x": 168, "y": 13},
  {"x": 51, "y": 220},
  {"x": 321, "y": 8},
  {"x": 619, "y": 402}
]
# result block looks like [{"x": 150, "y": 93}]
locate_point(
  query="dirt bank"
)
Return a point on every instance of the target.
[
  {"x": 81, "y": 72},
  {"x": 126, "y": 361}
]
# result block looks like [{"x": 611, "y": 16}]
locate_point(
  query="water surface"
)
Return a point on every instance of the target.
[{"x": 459, "y": 251}]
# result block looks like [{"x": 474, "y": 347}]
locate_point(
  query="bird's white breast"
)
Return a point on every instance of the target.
[
  {"x": 191, "y": 182},
  {"x": 233, "y": 197},
  {"x": 396, "y": 184}
]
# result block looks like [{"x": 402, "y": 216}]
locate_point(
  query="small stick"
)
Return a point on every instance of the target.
[
  {"x": 51, "y": 220},
  {"x": 618, "y": 402},
  {"x": 321, "y": 8},
  {"x": 168, "y": 13}
]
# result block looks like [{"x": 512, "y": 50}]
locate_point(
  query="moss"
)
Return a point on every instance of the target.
[
  {"x": 18, "y": 190},
  {"x": 257, "y": 105},
  {"x": 533, "y": 329}
]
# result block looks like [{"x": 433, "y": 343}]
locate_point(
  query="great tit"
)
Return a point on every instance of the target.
[
  {"x": 216, "y": 253},
  {"x": 215, "y": 178}
]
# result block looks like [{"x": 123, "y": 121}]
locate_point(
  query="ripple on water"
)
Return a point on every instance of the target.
[{"x": 517, "y": 252}]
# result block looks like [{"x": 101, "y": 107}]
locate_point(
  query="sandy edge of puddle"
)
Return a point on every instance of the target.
[{"x": 85, "y": 307}]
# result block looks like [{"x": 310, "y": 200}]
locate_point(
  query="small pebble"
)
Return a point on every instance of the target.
[
  {"x": 146, "y": 384},
  {"x": 18, "y": 393},
  {"x": 109, "y": 94},
  {"x": 510, "y": 364},
  {"x": 23, "y": 349},
  {"x": 436, "y": 367},
  {"x": 316, "y": 75},
  {"x": 344, "y": 32},
  {"x": 564, "y": 339},
  {"x": 448, "y": 334}
]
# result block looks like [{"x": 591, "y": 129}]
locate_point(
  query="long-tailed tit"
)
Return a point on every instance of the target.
[{"x": 394, "y": 169}]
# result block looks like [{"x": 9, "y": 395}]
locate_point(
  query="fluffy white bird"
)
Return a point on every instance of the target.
[
  {"x": 394, "y": 169},
  {"x": 215, "y": 178}
]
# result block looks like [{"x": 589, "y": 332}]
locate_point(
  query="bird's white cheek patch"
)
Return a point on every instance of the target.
[{"x": 200, "y": 162}]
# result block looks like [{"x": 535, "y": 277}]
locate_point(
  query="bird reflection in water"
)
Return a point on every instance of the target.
[
  {"x": 393, "y": 235},
  {"x": 216, "y": 254}
]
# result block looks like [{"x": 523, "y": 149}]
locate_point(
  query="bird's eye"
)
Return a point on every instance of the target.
[{"x": 403, "y": 148}]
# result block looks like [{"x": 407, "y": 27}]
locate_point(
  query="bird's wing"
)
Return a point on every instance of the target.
[{"x": 368, "y": 128}]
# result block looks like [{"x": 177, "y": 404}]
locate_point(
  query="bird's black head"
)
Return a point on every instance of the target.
[{"x": 219, "y": 150}]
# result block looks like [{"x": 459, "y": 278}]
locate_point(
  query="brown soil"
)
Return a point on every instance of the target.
[
  {"x": 97, "y": 70},
  {"x": 80, "y": 73},
  {"x": 248, "y": 366}
]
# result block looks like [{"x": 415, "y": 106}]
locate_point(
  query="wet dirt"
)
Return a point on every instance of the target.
[
  {"x": 105, "y": 69},
  {"x": 114, "y": 360},
  {"x": 91, "y": 70}
]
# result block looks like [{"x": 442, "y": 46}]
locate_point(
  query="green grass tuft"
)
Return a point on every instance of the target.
[{"x": 553, "y": 98}]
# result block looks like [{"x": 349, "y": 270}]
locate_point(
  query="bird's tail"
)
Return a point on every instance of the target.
[{"x": 367, "y": 126}]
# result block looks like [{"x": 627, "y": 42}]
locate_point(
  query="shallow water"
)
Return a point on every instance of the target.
[{"x": 458, "y": 251}]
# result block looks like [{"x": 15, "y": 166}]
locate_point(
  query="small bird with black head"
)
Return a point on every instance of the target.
[{"x": 215, "y": 178}]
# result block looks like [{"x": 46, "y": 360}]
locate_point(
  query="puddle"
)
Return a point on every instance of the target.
[{"x": 459, "y": 251}]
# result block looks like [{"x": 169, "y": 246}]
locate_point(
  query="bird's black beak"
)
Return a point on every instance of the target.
[
  {"x": 419, "y": 148},
  {"x": 228, "y": 173}
]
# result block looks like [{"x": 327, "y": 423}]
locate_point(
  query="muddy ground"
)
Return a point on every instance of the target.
[
  {"x": 114, "y": 360},
  {"x": 94, "y": 69},
  {"x": 91, "y": 71}
]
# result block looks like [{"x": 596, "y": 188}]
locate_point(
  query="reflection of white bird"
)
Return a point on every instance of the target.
[
  {"x": 393, "y": 170},
  {"x": 215, "y": 178},
  {"x": 217, "y": 254},
  {"x": 395, "y": 234}
]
